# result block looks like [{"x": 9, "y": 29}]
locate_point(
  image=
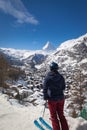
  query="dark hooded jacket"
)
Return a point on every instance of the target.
[{"x": 53, "y": 87}]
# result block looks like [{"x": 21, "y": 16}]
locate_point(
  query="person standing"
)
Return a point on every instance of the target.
[{"x": 53, "y": 88}]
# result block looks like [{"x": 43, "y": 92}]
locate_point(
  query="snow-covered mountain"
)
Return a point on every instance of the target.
[
  {"x": 24, "y": 54},
  {"x": 67, "y": 45},
  {"x": 67, "y": 53},
  {"x": 20, "y": 54},
  {"x": 19, "y": 57},
  {"x": 75, "y": 48},
  {"x": 49, "y": 47}
]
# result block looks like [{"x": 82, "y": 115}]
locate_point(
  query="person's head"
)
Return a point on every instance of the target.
[{"x": 54, "y": 66}]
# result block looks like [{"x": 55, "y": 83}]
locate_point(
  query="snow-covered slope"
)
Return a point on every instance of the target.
[
  {"x": 22, "y": 118},
  {"x": 71, "y": 43}
]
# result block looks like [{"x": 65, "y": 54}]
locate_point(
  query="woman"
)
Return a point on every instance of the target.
[{"x": 54, "y": 85}]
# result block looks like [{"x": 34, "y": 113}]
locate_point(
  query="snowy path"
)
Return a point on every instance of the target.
[
  {"x": 21, "y": 118},
  {"x": 17, "y": 118}
]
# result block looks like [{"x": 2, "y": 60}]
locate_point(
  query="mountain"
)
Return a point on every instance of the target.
[
  {"x": 20, "y": 57},
  {"x": 24, "y": 54},
  {"x": 19, "y": 54},
  {"x": 75, "y": 48},
  {"x": 69, "y": 52},
  {"x": 48, "y": 47}
]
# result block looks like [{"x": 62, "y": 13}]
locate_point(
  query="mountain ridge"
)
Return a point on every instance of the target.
[
  {"x": 70, "y": 47},
  {"x": 47, "y": 48}
]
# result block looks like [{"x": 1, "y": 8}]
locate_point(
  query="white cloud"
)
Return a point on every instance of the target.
[{"x": 17, "y": 10}]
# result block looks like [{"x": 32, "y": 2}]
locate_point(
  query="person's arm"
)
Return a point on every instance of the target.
[{"x": 45, "y": 88}]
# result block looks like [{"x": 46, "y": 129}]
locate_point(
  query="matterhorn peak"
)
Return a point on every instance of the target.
[{"x": 48, "y": 47}]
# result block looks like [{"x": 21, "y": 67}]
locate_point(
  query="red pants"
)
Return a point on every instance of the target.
[{"x": 57, "y": 115}]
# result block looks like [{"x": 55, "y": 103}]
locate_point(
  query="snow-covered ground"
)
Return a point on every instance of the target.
[{"x": 17, "y": 117}]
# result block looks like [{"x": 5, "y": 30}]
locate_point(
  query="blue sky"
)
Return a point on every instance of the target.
[{"x": 29, "y": 24}]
